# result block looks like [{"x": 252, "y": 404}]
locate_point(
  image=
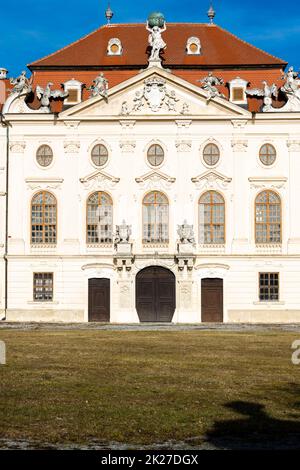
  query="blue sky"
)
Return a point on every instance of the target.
[{"x": 32, "y": 29}]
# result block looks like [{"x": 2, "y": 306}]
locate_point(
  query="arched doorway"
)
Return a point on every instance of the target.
[
  {"x": 99, "y": 300},
  {"x": 212, "y": 300},
  {"x": 155, "y": 294}
]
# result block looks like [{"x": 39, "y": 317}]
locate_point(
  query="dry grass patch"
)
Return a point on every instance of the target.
[{"x": 144, "y": 387}]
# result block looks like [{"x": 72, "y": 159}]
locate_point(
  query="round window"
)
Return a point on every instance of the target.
[
  {"x": 155, "y": 155},
  {"x": 211, "y": 154},
  {"x": 99, "y": 155},
  {"x": 267, "y": 154},
  {"x": 193, "y": 48},
  {"x": 44, "y": 155}
]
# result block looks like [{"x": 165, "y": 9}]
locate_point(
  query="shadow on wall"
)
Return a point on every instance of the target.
[{"x": 256, "y": 429}]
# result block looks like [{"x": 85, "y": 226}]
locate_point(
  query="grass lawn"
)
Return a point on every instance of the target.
[{"x": 144, "y": 387}]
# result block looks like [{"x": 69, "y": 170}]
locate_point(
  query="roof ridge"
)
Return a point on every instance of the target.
[{"x": 251, "y": 45}]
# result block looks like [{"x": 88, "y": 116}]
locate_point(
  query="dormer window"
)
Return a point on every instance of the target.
[
  {"x": 74, "y": 88},
  {"x": 237, "y": 91},
  {"x": 193, "y": 46},
  {"x": 114, "y": 47}
]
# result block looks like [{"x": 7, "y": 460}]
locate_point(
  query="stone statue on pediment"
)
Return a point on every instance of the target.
[
  {"x": 210, "y": 84},
  {"x": 99, "y": 86},
  {"x": 267, "y": 92},
  {"x": 21, "y": 84},
  {"x": 46, "y": 94}
]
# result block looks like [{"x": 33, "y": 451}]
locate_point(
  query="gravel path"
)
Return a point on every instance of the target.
[{"x": 231, "y": 327}]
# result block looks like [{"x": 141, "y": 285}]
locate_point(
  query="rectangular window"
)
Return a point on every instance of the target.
[
  {"x": 268, "y": 287},
  {"x": 73, "y": 96},
  {"x": 43, "y": 287},
  {"x": 238, "y": 94}
]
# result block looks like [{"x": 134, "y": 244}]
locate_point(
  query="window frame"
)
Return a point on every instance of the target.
[
  {"x": 44, "y": 167},
  {"x": 43, "y": 242},
  {"x": 99, "y": 144},
  {"x": 155, "y": 144},
  {"x": 36, "y": 273},
  {"x": 211, "y": 192},
  {"x": 268, "y": 242},
  {"x": 267, "y": 165},
  {"x": 259, "y": 287},
  {"x": 155, "y": 242},
  {"x": 87, "y": 215},
  {"x": 213, "y": 144}
]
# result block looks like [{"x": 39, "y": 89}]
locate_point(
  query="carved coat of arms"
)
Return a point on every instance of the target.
[{"x": 155, "y": 92}]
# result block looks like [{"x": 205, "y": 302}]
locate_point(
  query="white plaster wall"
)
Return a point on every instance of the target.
[{"x": 239, "y": 139}]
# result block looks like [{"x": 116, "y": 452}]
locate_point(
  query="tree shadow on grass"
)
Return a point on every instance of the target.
[{"x": 254, "y": 430}]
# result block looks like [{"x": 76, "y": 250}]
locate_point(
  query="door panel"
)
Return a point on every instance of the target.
[
  {"x": 212, "y": 300},
  {"x": 155, "y": 294},
  {"x": 99, "y": 300}
]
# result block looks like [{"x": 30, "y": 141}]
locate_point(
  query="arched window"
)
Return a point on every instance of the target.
[
  {"x": 211, "y": 154},
  {"x": 99, "y": 218},
  {"x": 155, "y": 218},
  {"x": 43, "y": 218},
  {"x": 267, "y": 218},
  {"x": 211, "y": 218}
]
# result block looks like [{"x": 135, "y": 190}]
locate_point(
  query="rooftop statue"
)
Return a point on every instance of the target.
[
  {"x": 46, "y": 94},
  {"x": 291, "y": 90},
  {"x": 267, "y": 92},
  {"x": 210, "y": 83},
  {"x": 99, "y": 87},
  {"x": 21, "y": 84},
  {"x": 155, "y": 40},
  {"x": 292, "y": 81}
]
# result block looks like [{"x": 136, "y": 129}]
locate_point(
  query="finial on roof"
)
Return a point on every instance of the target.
[
  {"x": 211, "y": 14},
  {"x": 109, "y": 14}
]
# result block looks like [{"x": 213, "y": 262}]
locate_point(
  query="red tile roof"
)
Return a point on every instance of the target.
[{"x": 219, "y": 49}]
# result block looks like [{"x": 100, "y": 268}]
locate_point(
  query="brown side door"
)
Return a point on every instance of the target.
[
  {"x": 99, "y": 300},
  {"x": 155, "y": 294},
  {"x": 212, "y": 300}
]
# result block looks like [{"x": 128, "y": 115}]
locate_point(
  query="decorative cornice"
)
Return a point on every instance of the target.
[
  {"x": 183, "y": 145},
  {"x": 239, "y": 145},
  {"x": 211, "y": 179},
  {"x": 44, "y": 183},
  {"x": 259, "y": 182},
  {"x": 293, "y": 145},
  {"x": 127, "y": 145},
  {"x": 127, "y": 123},
  {"x": 72, "y": 124},
  {"x": 239, "y": 123},
  {"x": 72, "y": 146},
  {"x": 183, "y": 123},
  {"x": 153, "y": 175},
  {"x": 99, "y": 179},
  {"x": 17, "y": 146}
]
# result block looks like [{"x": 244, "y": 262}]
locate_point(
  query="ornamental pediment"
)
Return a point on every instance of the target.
[
  {"x": 155, "y": 180},
  {"x": 211, "y": 180},
  {"x": 154, "y": 92},
  {"x": 99, "y": 180}
]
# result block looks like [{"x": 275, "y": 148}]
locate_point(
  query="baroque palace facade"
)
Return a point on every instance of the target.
[{"x": 151, "y": 173}]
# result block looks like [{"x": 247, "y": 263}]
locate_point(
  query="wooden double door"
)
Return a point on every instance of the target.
[
  {"x": 99, "y": 300},
  {"x": 212, "y": 300},
  {"x": 155, "y": 294}
]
